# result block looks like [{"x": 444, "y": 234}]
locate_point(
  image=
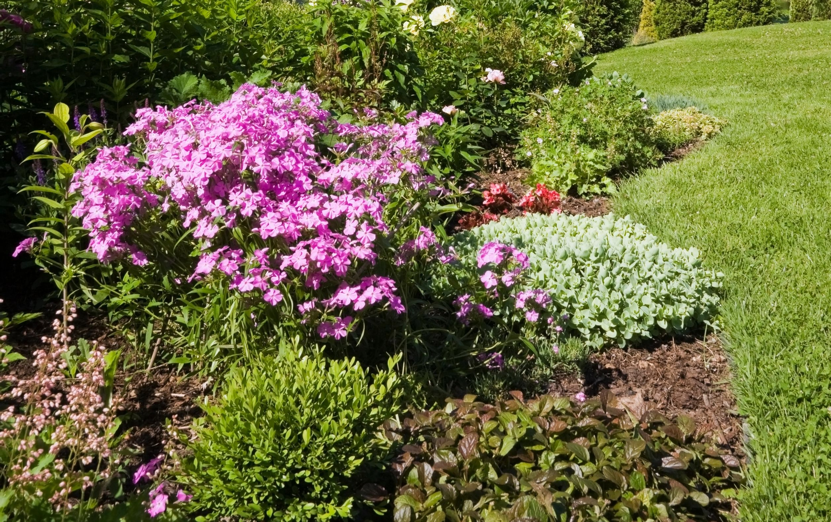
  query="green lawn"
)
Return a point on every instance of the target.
[{"x": 757, "y": 202}]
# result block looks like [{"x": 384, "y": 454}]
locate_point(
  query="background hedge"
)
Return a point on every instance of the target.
[
  {"x": 733, "y": 14},
  {"x": 608, "y": 24},
  {"x": 675, "y": 18}
]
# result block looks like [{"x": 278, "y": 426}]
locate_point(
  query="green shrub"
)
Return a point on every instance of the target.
[
  {"x": 807, "y": 10},
  {"x": 646, "y": 26},
  {"x": 290, "y": 439},
  {"x": 613, "y": 281},
  {"x": 584, "y": 135},
  {"x": 675, "y": 18},
  {"x": 677, "y": 127},
  {"x": 607, "y": 24},
  {"x": 801, "y": 10},
  {"x": 733, "y": 14},
  {"x": 549, "y": 459}
]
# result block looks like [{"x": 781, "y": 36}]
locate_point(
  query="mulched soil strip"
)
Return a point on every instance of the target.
[{"x": 679, "y": 376}]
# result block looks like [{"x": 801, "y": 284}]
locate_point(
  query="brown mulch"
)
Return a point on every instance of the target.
[
  {"x": 595, "y": 207},
  {"x": 150, "y": 399},
  {"x": 680, "y": 376}
]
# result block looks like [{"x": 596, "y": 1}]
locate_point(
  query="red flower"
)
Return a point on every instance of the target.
[{"x": 541, "y": 200}]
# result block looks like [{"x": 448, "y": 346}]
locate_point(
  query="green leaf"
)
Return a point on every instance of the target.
[
  {"x": 49, "y": 202},
  {"x": 637, "y": 481},
  {"x": 61, "y": 111}
]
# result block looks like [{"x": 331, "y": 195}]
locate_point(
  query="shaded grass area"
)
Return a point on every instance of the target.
[{"x": 757, "y": 202}]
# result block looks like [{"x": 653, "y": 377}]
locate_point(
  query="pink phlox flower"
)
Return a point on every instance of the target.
[
  {"x": 491, "y": 253},
  {"x": 489, "y": 279},
  {"x": 25, "y": 246},
  {"x": 338, "y": 329},
  {"x": 158, "y": 502},
  {"x": 181, "y": 496},
  {"x": 273, "y": 296},
  {"x": 145, "y": 470},
  {"x": 580, "y": 397}
]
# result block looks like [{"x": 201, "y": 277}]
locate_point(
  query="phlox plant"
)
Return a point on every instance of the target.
[
  {"x": 495, "y": 305},
  {"x": 269, "y": 204}
]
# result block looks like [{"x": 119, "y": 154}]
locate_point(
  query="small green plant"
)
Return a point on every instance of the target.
[
  {"x": 673, "y": 18},
  {"x": 290, "y": 438},
  {"x": 677, "y": 127},
  {"x": 611, "y": 281},
  {"x": 583, "y": 136},
  {"x": 552, "y": 459},
  {"x": 663, "y": 102}
]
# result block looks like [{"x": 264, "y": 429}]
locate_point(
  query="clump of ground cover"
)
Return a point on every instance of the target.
[{"x": 609, "y": 279}]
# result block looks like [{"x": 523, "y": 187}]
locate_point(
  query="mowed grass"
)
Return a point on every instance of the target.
[{"x": 757, "y": 202}]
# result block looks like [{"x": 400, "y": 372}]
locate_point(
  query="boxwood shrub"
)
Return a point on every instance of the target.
[
  {"x": 550, "y": 459},
  {"x": 611, "y": 280},
  {"x": 289, "y": 439}
]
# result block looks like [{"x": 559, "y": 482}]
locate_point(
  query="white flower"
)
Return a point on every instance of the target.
[
  {"x": 556, "y": 91},
  {"x": 539, "y": 140},
  {"x": 450, "y": 109},
  {"x": 442, "y": 14},
  {"x": 580, "y": 35},
  {"x": 554, "y": 64},
  {"x": 312, "y": 3},
  {"x": 414, "y": 24},
  {"x": 585, "y": 120},
  {"x": 643, "y": 100},
  {"x": 645, "y": 107},
  {"x": 494, "y": 76},
  {"x": 404, "y": 4}
]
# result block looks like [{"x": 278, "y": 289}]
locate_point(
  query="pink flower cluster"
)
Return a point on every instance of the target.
[
  {"x": 533, "y": 302},
  {"x": 503, "y": 266},
  {"x": 255, "y": 167},
  {"x": 509, "y": 260},
  {"x": 468, "y": 310},
  {"x": 69, "y": 415}
]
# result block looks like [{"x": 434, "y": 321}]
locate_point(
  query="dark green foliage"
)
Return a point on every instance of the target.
[
  {"x": 807, "y": 10},
  {"x": 801, "y": 10},
  {"x": 733, "y": 14},
  {"x": 549, "y": 459},
  {"x": 289, "y": 439},
  {"x": 675, "y": 18},
  {"x": 607, "y": 24}
]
